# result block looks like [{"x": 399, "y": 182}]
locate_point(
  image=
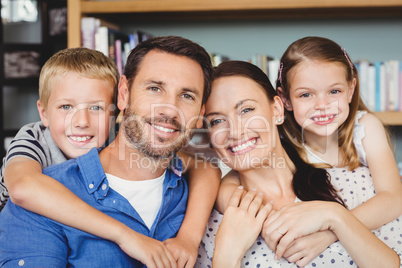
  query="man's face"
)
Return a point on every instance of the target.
[{"x": 164, "y": 104}]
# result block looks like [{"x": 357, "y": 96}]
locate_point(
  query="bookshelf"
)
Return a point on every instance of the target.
[{"x": 123, "y": 12}]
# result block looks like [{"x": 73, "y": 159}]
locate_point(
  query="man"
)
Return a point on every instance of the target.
[{"x": 136, "y": 179}]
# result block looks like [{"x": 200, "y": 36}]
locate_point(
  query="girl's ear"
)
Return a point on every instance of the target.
[
  {"x": 352, "y": 90},
  {"x": 123, "y": 93},
  {"x": 42, "y": 113},
  {"x": 285, "y": 100},
  {"x": 278, "y": 109}
]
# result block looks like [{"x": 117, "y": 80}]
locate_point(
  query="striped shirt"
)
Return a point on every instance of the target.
[{"x": 32, "y": 141}]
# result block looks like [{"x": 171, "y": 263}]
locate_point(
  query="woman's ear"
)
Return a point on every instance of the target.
[
  {"x": 278, "y": 109},
  {"x": 42, "y": 113},
  {"x": 123, "y": 94},
  {"x": 285, "y": 100}
]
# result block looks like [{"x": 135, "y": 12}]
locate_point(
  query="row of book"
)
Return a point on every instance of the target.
[
  {"x": 380, "y": 82},
  {"x": 108, "y": 39}
]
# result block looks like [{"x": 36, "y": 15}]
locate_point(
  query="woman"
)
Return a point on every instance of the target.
[{"x": 244, "y": 133}]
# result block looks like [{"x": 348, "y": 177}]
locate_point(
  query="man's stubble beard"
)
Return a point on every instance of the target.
[{"x": 134, "y": 126}]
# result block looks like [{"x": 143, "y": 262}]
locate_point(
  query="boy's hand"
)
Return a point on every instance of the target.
[
  {"x": 151, "y": 252},
  {"x": 184, "y": 251},
  {"x": 303, "y": 250}
]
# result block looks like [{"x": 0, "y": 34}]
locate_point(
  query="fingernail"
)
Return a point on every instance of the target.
[
  {"x": 272, "y": 202},
  {"x": 260, "y": 193},
  {"x": 276, "y": 257},
  {"x": 240, "y": 187},
  {"x": 254, "y": 189}
]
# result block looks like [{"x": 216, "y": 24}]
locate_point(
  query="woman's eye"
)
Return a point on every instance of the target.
[
  {"x": 96, "y": 108},
  {"x": 247, "y": 110},
  {"x": 215, "y": 122},
  {"x": 65, "y": 107}
]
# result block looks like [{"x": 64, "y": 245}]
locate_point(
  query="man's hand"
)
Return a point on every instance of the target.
[{"x": 151, "y": 252}]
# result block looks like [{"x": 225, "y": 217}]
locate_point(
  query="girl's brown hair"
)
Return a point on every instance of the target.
[{"x": 321, "y": 49}]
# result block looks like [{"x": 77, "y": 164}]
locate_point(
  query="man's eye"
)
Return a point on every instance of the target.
[
  {"x": 188, "y": 96},
  {"x": 156, "y": 89}
]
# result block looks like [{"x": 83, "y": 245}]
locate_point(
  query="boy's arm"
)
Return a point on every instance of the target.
[
  {"x": 34, "y": 191},
  {"x": 385, "y": 176},
  {"x": 203, "y": 181}
]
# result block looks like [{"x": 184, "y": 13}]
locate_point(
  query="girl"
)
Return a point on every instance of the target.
[
  {"x": 330, "y": 126},
  {"x": 244, "y": 132}
]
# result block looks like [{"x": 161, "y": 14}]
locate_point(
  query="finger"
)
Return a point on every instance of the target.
[
  {"x": 190, "y": 263},
  {"x": 181, "y": 262},
  {"x": 304, "y": 261},
  {"x": 284, "y": 243},
  {"x": 263, "y": 212},
  {"x": 170, "y": 260},
  {"x": 236, "y": 196},
  {"x": 295, "y": 257},
  {"x": 255, "y": 204},
  {"x": 247, "y": 199}
]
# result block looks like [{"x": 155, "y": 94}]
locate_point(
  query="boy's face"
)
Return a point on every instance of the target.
[{"x": 78, "y": 113}]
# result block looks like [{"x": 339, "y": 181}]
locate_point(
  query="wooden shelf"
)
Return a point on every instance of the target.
[
  {"x": 186, "y": 10},
  {"x": 390, "y": 118}
]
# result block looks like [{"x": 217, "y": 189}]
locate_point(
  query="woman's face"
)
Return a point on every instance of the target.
[{"x": 242, "y": 123}]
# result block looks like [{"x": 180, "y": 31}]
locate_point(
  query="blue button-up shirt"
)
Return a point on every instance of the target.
[{"x": 30, "y": 240}]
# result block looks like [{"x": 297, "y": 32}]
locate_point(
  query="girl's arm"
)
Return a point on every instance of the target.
[
  {"x": 204, "y": 178},
  {"x": 228, "y": 185},
  {"x": 304, "y": 218},
  {"x": 385, "y": 176},
  {"x": 36, "y": 192}
]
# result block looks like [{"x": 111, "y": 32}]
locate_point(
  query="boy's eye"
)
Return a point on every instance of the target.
[
  {"x": 65, "y": 107},
  {"x": 215, "y": 122}
]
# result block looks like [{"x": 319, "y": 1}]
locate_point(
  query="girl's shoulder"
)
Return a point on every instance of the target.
[{"x": 368, "y": 119}]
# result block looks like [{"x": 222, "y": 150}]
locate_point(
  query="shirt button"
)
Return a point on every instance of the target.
[
  {"x": 104, "y": 186},
  {"x": 21, "y": 263},
  {"x": 91, "y": 186}
]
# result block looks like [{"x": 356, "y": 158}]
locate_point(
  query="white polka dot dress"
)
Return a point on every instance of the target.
[{"x": 354, "y": 187}]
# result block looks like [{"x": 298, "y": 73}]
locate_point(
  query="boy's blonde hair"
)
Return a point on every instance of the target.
[
  {"x": 321, "y": 49},
  {"x": 83, "y": 61}
]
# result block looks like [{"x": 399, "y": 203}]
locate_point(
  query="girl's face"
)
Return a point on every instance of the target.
[
  {"x": 319, "y": 96},
  {"x": 242, "y": 122}
]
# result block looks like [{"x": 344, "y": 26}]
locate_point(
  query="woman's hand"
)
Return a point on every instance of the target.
[
  {"x": 240, "y": 227},
  {"x": 295, "y": 221}
]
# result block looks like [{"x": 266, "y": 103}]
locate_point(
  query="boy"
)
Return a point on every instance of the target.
[{"x": 77, "y": 92}]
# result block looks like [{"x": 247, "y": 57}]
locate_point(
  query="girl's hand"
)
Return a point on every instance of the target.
[
  {"x": 240, "y": 227},
  {"x": 295, "y": 221},
  {"x": 303, "y": 250}
]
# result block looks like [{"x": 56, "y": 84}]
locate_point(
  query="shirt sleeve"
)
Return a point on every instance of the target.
[{"x": 30, "y": 240}]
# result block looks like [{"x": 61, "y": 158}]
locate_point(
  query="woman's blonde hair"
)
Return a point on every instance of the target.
[
  {"x": 322, "y": 49},
  {"x": 83, "y": 61}
]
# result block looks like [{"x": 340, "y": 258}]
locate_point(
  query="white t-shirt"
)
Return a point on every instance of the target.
[{"x": 145, "y": 195}]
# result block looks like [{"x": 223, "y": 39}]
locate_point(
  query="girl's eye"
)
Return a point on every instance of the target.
[
  {"x": 215, "y": 122},
  {"x": 247, "y": 110},
  {"x": 188, "y": 96},
  {"x": 335, "y": 91},
  {"x": 305, "y": 95},
  {"x": 66, "y": 107}
]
